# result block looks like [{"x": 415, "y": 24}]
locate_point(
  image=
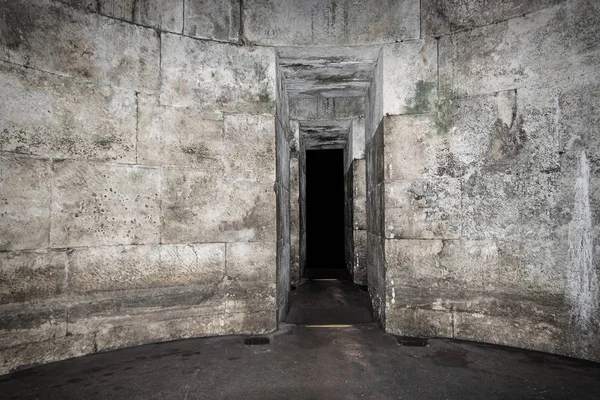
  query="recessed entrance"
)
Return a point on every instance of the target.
[{"x": 325, "y": 214}]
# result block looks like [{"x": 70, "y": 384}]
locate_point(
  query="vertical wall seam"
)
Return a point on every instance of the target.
[
  {"x": 160, "y": 204},
  {"x": 420, "y": 19},
  {"x": 137, "y": 123},
  {"x": 50, "y": 201},
  {"x": 241, "y": 33},
  {"x": 160, "y": 64},
  {"x": 225, "y": 266},
  {"x": 437, "y": 65},
  {"x": 183, "y": 17}
]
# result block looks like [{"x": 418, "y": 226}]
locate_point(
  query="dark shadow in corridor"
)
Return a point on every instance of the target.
[{"x": 325, "y": 213}]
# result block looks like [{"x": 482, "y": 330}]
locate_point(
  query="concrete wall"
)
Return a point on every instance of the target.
[
  {"x": 491, "y": 184},
  {"x": 141, "y": 144}
]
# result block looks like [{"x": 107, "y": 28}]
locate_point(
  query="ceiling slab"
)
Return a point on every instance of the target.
[
  {"x": 324, "y": 135},
  {"x": 327, "y": 72}
]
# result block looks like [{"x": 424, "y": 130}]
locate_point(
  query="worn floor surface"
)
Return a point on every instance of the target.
[
  {"x": 329, "y": 301},
  {"x": 300, "y": 362}
]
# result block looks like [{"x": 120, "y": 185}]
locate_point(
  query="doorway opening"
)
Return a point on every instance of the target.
[{"x": 325, "y": 256}]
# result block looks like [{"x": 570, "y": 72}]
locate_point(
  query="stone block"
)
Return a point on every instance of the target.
[
  {"x": 409, "y": 147},
  {"x": 91, "y": 5},
  {"x": 463, "y": 132},
  {"x": 283, "y": 278},
  {"x": 359, "y": 213},
  {"x": 49, "y": 115},
  {"x": 25, "y": 196},
  {"x": 217, "y": 77},
  {"x": 444, "y": 16},
  {"x": 541, "y": 265},
  {"x": 423, "y": 209},
  {"x": 166, "y": 15},
  {"x": 35, "y": 353},
  {"x": 111, "y": 337},
  {"x": 409, "y": 77},
  {"x": 332, "y": 23},
  {"x": 360, "y": 257},
  {"x": 418, "y": 322},
  {"x": 283, "y": 214},
  {"x": 32, "y": 275},
  {"x": 101, "y": 204},
  {"x": 413, "y": 262},
  {"x": 252, "y": 263},
  {"x": 572, "y": 116},
  {"x": 555, "y": 47},
  {"x": 217, "y": 20},
  {"x": 97, "y": 269},
  {"x": 179, "y": 136},
  {"x": 50, "y": 37},
  {"x": 249, "y": 149},
  {"x": 30, "y": 324},
  {"x": 358, "y": 138},
  {"x": 491, "y": 205},
  {"x": 520, "y": 331},
  {"x": 198, "y": 206},
  {"x": 376, "y": 211}
]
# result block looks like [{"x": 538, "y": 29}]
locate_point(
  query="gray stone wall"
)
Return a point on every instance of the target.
[
  {"x": 491, "y": 200},
  {"x": 141, "y": 143},
  {"x": 136, "y": 179},
  {"x": 374, "y": 162}
]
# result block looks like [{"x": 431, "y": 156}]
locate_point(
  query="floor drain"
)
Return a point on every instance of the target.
[
  {"x": 412, "y": 341},
  {"x": 256, "y": 340}
]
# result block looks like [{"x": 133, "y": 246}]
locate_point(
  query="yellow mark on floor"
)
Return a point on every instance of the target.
[{"x": 329, "y": 326}]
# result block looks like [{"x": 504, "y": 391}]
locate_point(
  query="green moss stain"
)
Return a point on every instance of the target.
[
  {"x": 443, "y": 117},
  {"x": 419, "y": 103}
]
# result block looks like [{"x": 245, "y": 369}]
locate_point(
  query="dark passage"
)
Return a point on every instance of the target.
[{"x": 325, "y": 210}]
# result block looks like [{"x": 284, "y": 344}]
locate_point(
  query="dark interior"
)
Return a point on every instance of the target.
[{"x": 325, "y": 209}]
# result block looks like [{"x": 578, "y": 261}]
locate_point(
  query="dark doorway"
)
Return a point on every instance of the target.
[{"x": 325, "y": 212}]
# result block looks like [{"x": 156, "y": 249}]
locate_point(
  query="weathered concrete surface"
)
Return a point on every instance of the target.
[
  {"x": 194, "y": 198},
  {"x": 515, "y": 139},
  {"x": 166, "y": 15},
  {"x": 333, "y": 23},
  {"x": 282, "y": 187},
  {"x": 303, "y": 108},
  {"x": 423, "y": 208},
  {"x": 49, "y": 115},
  {"x": 325, "y": 134},
  {"x": 99, "y": 204},
  {"x": 48, "y": 36},
  {"x": 218, "y": 20},
  {"x": 294, "y": 219},
  {"x": 100, "y": 269},
  {"x": 445, "y": 16},
  {"x": 25, "y": 196},
  {"x": 217, "y": 77},
  {"x": 178, "y": 136},
  {"x": 409, "y": 77},
  {"x": 250, "y": 148},
  {"x": 554, "y": 47},
  {"x": 327, "y": 72},
  {"x": 32, "y": 275}
]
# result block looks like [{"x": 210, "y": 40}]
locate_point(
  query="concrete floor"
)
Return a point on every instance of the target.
[{"x": 301, "y": 362}]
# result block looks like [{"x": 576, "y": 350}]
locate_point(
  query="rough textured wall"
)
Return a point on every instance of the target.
[
  {"x": 282, "y": 186},
  {"x": 374, "y": 162},
  {"x": 492, "y": 192},
  {"x": 136, "y": 181},
  {"x": 329, "y": 22}
]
